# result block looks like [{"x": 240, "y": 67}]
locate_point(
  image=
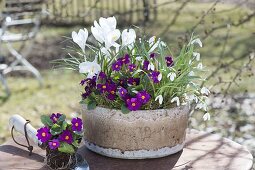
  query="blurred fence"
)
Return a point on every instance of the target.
[{"x": 69, "y": 12}]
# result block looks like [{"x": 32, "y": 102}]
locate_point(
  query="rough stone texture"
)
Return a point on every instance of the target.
[
  {"x": 139, "y": 130},
  {"x": 203, "y": 151}
]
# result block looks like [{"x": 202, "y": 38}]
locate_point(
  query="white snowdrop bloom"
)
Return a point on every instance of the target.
[
  {"x": 135, "y": 91},
  {"x": 200, "y": 66},
  {"x": 201, "y": 105},
  {"x": 92, "y": 68},
  {"x": 197, "y": 41},
  {"x": 190, "y": 62},
  {"x": 163, "y": 43},
  {"x": 153, "y": 44},
  {"x": 197, "y": 55},
  {"x": 151, "y": 66},
  {"x": 80, "y": 38},
  {"x": 160, "y": 77},
  {"x": 160, "y": 99},
  {"x": 205, "y": 91},
  {"x": 177, "y": 100},
  {"x": 139, "y": 58},
  {"x": 191, "y": 73},
  {"x": 193, "y": 97},
  {"x": 207, "y": 116},
  {"x": 128, "y": 37},
  {"x": 172, "y": 76}
]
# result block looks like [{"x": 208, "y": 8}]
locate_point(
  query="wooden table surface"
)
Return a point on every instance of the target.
[{"x": 203, "y": 151}]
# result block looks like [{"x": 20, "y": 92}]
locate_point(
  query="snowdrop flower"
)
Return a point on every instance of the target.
[
  {"x": 80, "y": 38},
  {"x": 197, "y": 55},
  {"x": 191, "y": 73},
  {"x": 128, "y": 37},
  {"x": 172, "y": 76},
  {"x": 205, "y": 91},
  {"x": 197, "y": 41},
  {"x": 106, "y": 32},
  {"x": 193, "y": 97},
  {"x": 153, "y": 44},
  {"x": 177, "y": 100},
  {"x": 200, "y": 66},
  {"x": 92, "y": 68},
  {"x": 207, "y": 116},
  {"x": 160, "y": 99},
  {"x": 201, "y": 105},
  {"x": 160, "y": 77},
  {"x": 139, "y": 58},
  {"x": 151, "y": 67}
]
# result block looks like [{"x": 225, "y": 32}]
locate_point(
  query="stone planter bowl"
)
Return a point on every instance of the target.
[{"x": 137, "y": 135}]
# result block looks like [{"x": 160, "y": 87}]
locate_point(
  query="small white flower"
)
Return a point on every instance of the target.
[
  {"x": 139, "y": 58},
  {"x": 177, "y": 100},
  {"x": 201, "y": 105},
  {"x": 191, "y": 73},
  {"x": 153, "y": 44},
  {"x": 128, "y": 37},
  {"x": 92, "y": 68},
  {"x": 160, "y": 77},
  {"x": 193, "y": 97},
  {"x": 197, "y": 55},
  {"x": 207, "y": 116},
  {"x": 151, "y": 66},
  {"x": 205, "y": 91},
  {"x": 111, "y": 38},
  {"x": 172, "y": 76},
  {"x": 197, "y": 41},
  {"x": 80, "y": 38},
  {"x": 200, "y": 66},
  {"x": 160, "y": 99}
]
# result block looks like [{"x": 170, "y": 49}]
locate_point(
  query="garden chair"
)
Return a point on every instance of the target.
[{"x": 19, "y": 26}]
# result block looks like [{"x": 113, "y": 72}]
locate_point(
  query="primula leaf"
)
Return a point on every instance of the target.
[
  {"x": 46, "y": 120},
  {"x": 83, "y": 102},
  {"x": 124, "y": 109},
  {"x": 55, "y": 129},
  {"x": 64, "y": 125},
  {"x": 66, "y": 148},
  {"x": 92, "y": 105},
  {"x": 61, "y": 118}
]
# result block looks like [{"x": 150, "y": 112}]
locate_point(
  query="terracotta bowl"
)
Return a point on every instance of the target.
[{"x": 137, "y": 135}]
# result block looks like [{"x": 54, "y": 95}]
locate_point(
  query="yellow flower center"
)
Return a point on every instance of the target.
[
  {"x": 43, "y": 134},
  {"x": 76, "y": 124},
  {"x": 67, "y": 137},
  {"x": 55, "y": 119},
  {"x": 143, "y": 97},
  {"x": 104, "y": 86},
  {"x": 133, "y": 104},
  {"x": 113, "y": 92},
  {"x": 134, "y": 83}
]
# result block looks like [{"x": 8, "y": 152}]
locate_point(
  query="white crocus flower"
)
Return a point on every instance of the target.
[
  {"x": 160, "y": 99},
  {"x": 197, "y": 41},
  {"x": 177, "y": 100},
  {"x": 111, "y": 38},
  {"x": 92, "y": 68},
  {"x": 80, "y": 38},
  {"x": 205, "y": 91},
  {"x": 207, "y": 116},
  {"x": 105, "y": 52},
  {"x": 197, "y": 55},
  {"x": 200, "y": 66},
  {"x": 172, "y": 76},
  {"x": 128, "y": 37},
  {"x": 160, "y": 77}
]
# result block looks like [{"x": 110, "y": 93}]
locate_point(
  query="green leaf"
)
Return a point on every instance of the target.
[
  {"x": 46, "y": 120},
  {"x": 75, "y": 144},
  {"x": 55, "y": 129},
  {"x": 124, "y": 109},
  {"x": 83, "y": 102},
  {"x": 64, "y": 125},
  {"x": 92, "y": 105},
  {"x": 66, "y": 148}
]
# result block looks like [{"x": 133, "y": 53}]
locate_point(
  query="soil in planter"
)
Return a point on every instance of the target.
[{"x": 58, "y": 160}]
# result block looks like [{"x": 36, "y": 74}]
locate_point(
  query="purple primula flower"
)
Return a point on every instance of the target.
[
  {"x": 102, "y": 75},
  {"x": 146, "y": 65},
  {"x": 112, "y": 91},
  {"x": 134, "y": 81},
  {"x": 116, "y": 66},
  {"x": 134, "y": 104},
  {"x": 154, "y": 76},
  {"x": 89, "y": 82},
  {"x": 143, "y": 96},
  {"x": 86, "y": 93},
  {"x": 43, "y": 134},
  {"x": 102, "y": 87},
  {"x": 122, "y": 92},
  {"x": 122, "y": 82},
  {"x": 54, "y": 144},
  {"x": 54, "y": 117},
  {"x": 125, "y": 59},
  {"x": 153, "y": 55},
  {"x": 169, "y": 61},
  {"x": 76, "y": 124},
  {"x": 131, "y": 67},
  {"x": 66, "y": 136},
  {"x": 111, "y": 96}
]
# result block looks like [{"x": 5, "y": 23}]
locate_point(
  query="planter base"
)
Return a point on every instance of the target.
[{"x": 138, "y": 154}]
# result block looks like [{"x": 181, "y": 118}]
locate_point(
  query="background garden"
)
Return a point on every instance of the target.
[{"x": 226, "y": 28}]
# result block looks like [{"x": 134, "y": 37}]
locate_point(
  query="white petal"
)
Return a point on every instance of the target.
[
  {"x": 159, "y": 77},
  {"x": 205, "y": 91},
  {"x": 200, "y": 66},
  {"x": 80, "y": 38},
  {"x": 197, "y": 55},
  {"x": 128, "y": 37},
  {"x": 191, "y": 73},
  {"x": 176, "y": 99},
  {"x": 172, "y": 76},
  {"x": 206, "y": 116},
  {"x": 197, "y": 41},
  {"x": 160, "y": 99}
]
